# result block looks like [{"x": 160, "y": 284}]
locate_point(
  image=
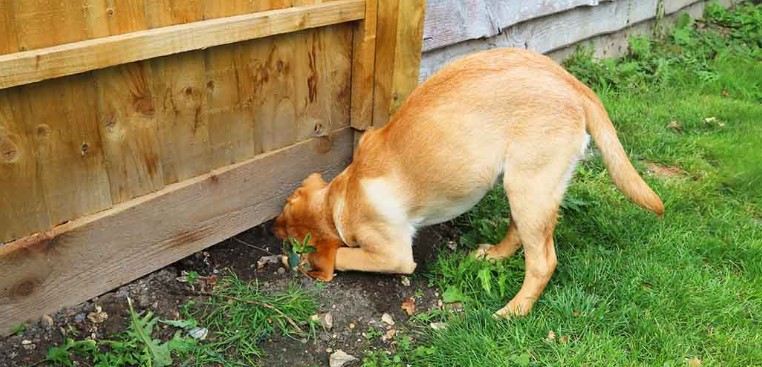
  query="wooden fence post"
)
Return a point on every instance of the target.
[{"x": 399, "y": 40}]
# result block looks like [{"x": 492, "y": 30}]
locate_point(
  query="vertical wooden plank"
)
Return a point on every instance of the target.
[
  {"x": 162, "y": 13},
  {"x": 363, "y": 67},
  {"x": 62, "y": 115},
  {"x": 407, "y": 56},
  {"x": 42, "y": 23},
  {"x": 331, "y": 53},
  {"x": 8, "y": 43},
  {"x": 399, "y": 39},
  {"x": 180, "y": 87},
  {"x": 126, "y": 108},
  {"x": 181, "y": 110},
  {"x": 386, "y": 44},
  {"x": 125, "y": 16},
  {"x": 231, "y": 129},
  {"x": 271, "y": 93},
  {"x": 21, "y": 198},
  {"x": 127, "y": 125}
]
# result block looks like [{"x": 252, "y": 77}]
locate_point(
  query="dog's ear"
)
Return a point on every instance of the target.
[
  {"x": 314, "y": 180},
  {"x": 323, "y": 259}
]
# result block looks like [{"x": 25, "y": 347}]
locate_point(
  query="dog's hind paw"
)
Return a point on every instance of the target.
[{"x": 482, "y": 252}]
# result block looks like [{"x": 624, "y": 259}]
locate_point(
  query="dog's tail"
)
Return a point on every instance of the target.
[{"x": 624, "y": 175}]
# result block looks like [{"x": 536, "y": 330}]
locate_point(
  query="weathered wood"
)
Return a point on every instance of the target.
[
  {"x": 450, "y": 21},
  {"x": 8, "y": 42},
  {"x": 398, "y": 49},
  {"x": 21, "y": 197},
  {"x": 180, "y": 85},
  {"x": 128, "y": 127},
  {"x": 407, "y": 58},
  {"x": 556, "y": 31},
  {"x": 92, "y": 255},
  {"x": 297, "y": 85},
  {"x": 42, "y": 23},
  {"x": 35, "y": 65},
  {"x": 231, "y": 130},
  {"x": 363, "y": 67},
  {"x": 62, "y": 116}
]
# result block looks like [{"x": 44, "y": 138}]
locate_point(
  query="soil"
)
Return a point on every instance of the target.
[{"x": 355, "y": 300}]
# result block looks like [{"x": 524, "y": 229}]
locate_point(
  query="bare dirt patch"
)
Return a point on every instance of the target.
[{"x": 356, "y": 302}]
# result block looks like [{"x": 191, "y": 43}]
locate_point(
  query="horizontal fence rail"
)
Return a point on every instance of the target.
[{"x": 77, "y": 57}]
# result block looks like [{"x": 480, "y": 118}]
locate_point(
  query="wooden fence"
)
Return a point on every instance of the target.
[{"x": 136, "y": 132}]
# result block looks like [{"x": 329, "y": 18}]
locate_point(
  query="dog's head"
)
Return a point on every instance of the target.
[{"x": 305, "y": 213}]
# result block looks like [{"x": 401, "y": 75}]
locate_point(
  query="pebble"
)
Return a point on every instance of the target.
[
  {"x": 79, "y": 317},
  {"x": 281, "y": 271},
  {"x": 339, "y": 359},
  {"x": 47, "y": 320},
  {"x": 387, "y": 318},
  {"x": 405, "y": 281}
]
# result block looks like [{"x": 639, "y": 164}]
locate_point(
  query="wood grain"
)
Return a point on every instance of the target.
[
  {"x": 363, "y": 67},
  {"x": 90, "y": 256},
  {"x": 43, "y": 23},
  {"x": 450, "y": 21},
  {"x": 556, "y": 31},
  {"x": 180, "y": 86},
  {"x": 407, "y": 58},
  {"x": 128, "y": 128},
  {"x": 297, "y": 85},
  {"x": 35, "y": 65},
  {"x": 62, "y": 116},
  {"x": 21, "y": 197},
  {"x": 398, "y": 50},
  {"x": 8, "y": 42}
]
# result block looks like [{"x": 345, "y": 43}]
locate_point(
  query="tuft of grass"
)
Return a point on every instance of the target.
[
  {"x": 239, "y": 316},
  {"x": 631, "y": 290},
  {"x": 225, "y": 330},
  {"x": 135, "y": 347}
]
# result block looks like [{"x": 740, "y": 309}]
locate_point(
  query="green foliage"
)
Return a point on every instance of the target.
[
  {"x": 19, "y": 329},
  {"x": 134, "y": 347},
  {"x": 238, "y": 320},
  {"x": 295, "y": 249}
]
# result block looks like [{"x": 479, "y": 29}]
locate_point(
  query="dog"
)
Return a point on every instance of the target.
[{"x": 509, "y": 113}]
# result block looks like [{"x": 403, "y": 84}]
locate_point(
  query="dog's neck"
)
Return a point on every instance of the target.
[{"x": 334, "y": 205}]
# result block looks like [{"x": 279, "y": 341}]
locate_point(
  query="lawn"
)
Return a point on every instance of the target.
[{"x": 630, "y": 289}]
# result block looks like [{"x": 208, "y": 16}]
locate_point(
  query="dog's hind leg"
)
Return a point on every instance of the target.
[
  {"x": 507, "y": 247},
  {"x": 535, "y": 184}
]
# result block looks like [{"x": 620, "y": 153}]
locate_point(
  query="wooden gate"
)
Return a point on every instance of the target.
[{"x": 136, "y": 132}]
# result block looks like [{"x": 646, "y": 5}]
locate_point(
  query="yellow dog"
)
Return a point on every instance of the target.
[{"x": 506, "y": 112}]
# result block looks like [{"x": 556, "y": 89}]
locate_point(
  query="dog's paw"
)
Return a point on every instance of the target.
[
  {"x": 320, "y": 275},
  {"x": 514, "y": 308},
  {"x": 482, "y": 252}
]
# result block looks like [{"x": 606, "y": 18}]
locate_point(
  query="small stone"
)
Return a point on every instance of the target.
[
  {"x": 389, "y": 334},
  {"x": 339, "y": 359},
  {"x": 281, "y": 270},
  {"x": 352, "y": 325},
  {"x": 387, "y": 318},
  {"x": 79, "y": 317},
  {"x": 47, "y": 320},
  {"x": 329, "y": 350},
  {"x": 198, "y": 333},
  {"x": 325, "y": 320},
  {"x": 438, "y": 325},
  {"x": 405, "y": 281},
  {"x": 98, "y": 316},
  {"x": 26, "y": 342}
]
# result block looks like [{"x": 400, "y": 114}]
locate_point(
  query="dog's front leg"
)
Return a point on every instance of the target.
[{"x": 379, "y": 251}]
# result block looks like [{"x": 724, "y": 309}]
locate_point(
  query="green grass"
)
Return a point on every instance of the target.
[
  {"x": 234, "y": 320},
  {"x": 632, "y": 290}
]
